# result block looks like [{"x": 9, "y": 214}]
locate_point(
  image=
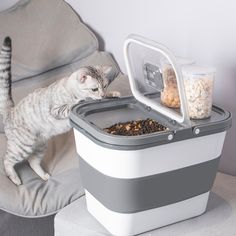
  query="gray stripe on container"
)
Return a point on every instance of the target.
[{"x": 145, "y": 193}]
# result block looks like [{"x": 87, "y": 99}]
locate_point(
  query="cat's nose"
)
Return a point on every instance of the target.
[{"x": 102, "y": 94}]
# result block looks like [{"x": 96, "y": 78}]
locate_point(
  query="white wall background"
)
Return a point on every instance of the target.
[{"x": 202, "y": 30}]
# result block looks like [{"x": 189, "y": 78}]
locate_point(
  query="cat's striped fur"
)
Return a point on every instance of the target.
[
  {"x": 43, "y": 113},
  {"x": 5, "y": 78}
]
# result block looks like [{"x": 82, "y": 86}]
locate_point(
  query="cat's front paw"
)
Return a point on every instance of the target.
[{"x": 114, "y": 94}]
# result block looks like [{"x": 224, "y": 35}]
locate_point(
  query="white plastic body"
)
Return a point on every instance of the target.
[
  {"x": 119, "y": 224},
  {"x": 145, "y": 162},
  {"x": 149, "y": 161},
  {"x": 159, "y": 48}
]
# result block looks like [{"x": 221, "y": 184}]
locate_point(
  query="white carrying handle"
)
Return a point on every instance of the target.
[{"x": 135, "y": 39}]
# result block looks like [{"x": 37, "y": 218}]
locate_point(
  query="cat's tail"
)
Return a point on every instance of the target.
[{"x": 6, "y": 101}]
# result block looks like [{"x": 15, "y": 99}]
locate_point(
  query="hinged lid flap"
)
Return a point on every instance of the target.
[{"x": 143, "y": 61}]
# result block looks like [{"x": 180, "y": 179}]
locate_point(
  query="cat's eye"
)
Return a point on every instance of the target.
[{"x": 95, "y": 89}]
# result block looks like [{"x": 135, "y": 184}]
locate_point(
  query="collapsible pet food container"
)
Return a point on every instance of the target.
[{"x": 137, "y": 183}]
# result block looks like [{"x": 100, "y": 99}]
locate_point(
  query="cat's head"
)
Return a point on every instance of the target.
[{"x": 92, "y": 81}]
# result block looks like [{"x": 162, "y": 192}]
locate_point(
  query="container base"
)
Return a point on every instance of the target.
[{"x": 121, "y": 224}]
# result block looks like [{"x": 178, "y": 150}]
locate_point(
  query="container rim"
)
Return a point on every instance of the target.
[{"x": 79, "y": 122}]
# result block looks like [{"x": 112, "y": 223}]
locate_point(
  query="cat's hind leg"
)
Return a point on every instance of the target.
[
  {"x": 14, "y": 155},
  {"x": 10, "y": 171},
  {"x": 35, "y": 162},
  {"x": 20, "y": 146}
]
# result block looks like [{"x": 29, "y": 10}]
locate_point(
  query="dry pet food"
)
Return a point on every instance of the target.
[
  {"x": 199, "y": 97},
  {"x": 198, "y": 83},
  {"x": 170, "y": 94},
  {"x": 139, "y": 127}
]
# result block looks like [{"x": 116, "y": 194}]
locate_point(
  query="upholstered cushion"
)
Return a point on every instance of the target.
[
  {"x": 45, "y": 34},
  {"x": 7, "y": 4}
]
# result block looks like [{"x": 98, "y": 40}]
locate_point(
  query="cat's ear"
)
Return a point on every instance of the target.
[
  {"x": 103, "y": 69},
  {"x": 110, "y": 72},
  {"x": 81, "y": 77},
  {"x": 78, "y": 75}
]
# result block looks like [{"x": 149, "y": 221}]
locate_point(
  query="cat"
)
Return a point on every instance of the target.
[{"x": 44, "y": 113}]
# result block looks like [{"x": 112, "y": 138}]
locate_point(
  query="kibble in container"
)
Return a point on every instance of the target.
[
  {"x": 199, "y": 83},
  {"x": 170, "y": 93}
]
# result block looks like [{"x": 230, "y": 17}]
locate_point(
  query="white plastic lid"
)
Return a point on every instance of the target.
[
  {"x": 143, "y": 59},
  {"x": 198, "y": 70}
]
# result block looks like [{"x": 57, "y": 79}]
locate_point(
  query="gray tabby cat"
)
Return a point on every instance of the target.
[{"x": 43, "y": 113}]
